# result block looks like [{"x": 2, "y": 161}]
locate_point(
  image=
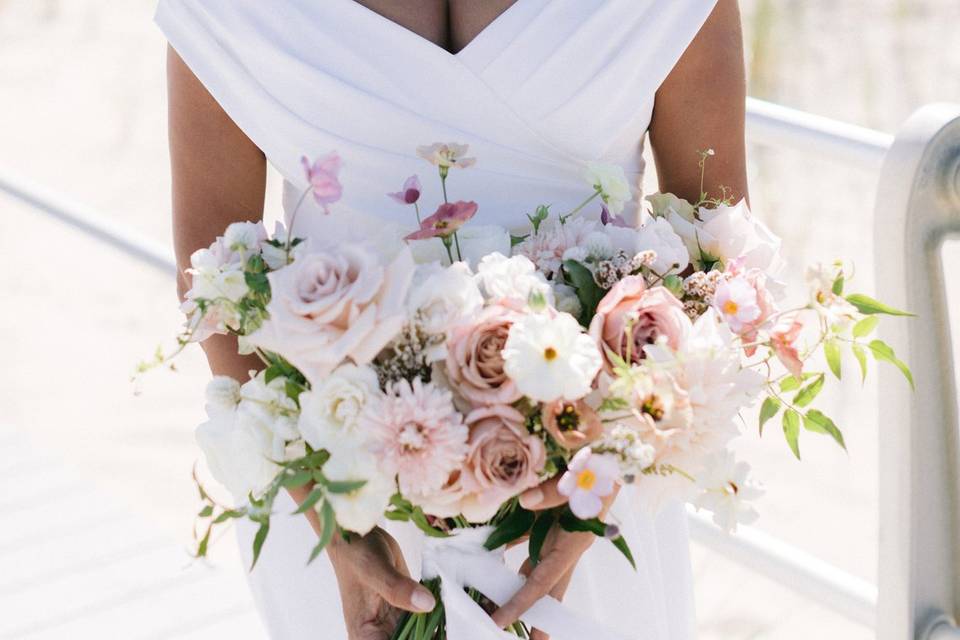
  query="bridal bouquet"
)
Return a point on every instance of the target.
[{"x": 436, "y": 379}]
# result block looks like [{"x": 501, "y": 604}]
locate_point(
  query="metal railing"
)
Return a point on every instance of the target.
[{"x": 919, "y": 517}]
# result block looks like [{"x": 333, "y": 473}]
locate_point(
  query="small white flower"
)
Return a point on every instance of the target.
[
  {"x": 612, "y": 183},
  {"x": 725, "y": 487},
  {"x": 238, "y": 456},
  {"x": 514, "y": 278},
  {"x": 266, "y": 408},
  {"x": 330, "y": 412},
  {"x": 551, "y": 357},
  {"x": 359, "y": 510},
  {"x": 736, "y": 302},
  {"x": 223, "y": 395},
  {"x": 244, "y": 237},
  {"x": 213, "y": 278},
  {"x": 439, "y": 298},
  {"x": 839, "y": 314}
]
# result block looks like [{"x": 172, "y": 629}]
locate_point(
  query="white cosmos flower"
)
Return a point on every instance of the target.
[
  {"x": 725, "y": 488},
  {"x": 611, "y": 181},
  {"x": 359, "y": 510},
  {"x": 514, "y": 278},
  {"x": 265, "y": 408},
  {"x": 237, "y": 455},
  {"x": 550, "y": 357},
  {"x": 330, "y": 411},
  {"x": 440, "y": 297},
  {"x": 736, "y": 302}
]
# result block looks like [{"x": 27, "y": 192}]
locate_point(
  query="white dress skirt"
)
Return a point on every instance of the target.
[{"x": 549, "y": 85}]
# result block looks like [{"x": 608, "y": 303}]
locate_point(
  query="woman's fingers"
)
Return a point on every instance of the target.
[
  {"x": 543, "y": 496},
  {"x": 399, "y": 590},
  {"x": 558, "y": 591}
]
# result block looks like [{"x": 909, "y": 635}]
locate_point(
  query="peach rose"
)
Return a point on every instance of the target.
[
  {"x": 475, "y": 361},
  {"x": 648, "y": 314},
  {"x": 571, "y": 424},
  {"x": 503, "y": 460}
]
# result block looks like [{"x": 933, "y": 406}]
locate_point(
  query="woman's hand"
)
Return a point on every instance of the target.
[
  {"x": 375, "y": 585},
  {"x": 558, "y": 558}
]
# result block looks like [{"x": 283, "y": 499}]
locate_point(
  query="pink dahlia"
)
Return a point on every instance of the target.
[{"x": 418, "y": 435}]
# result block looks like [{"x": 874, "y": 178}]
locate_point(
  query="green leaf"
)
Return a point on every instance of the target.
[
  {"x": 882, "y": 351},
  {"x": 869, "y": 306},
  {"x": 538, "y": 534},
  {"x": 297, "y": 479},
  {"x": 257, "y": 282},
  {"x": 228, "y": 514},
  {"x": 832, "y": 352},
  {"x": 419, "y": 519},
  {"x": 311, "y": 500},
  {"x": 817, "y": 422},
  {"x": 570, "y": 522},
  {"x": 204, "y": 542},
  {"x": 513, "y": 527},
  {"x": 865, "y": 327},
  {"x": 769, "y": 408},
  {"x": 621, "y": 544},
  {"x": 397, "y": 515},
  {"x": 791, "y": 430},
  {"x": 588, "y": 292},
  {"x": 515, "y": 240},
  {"x": 806, "y": 395},
  {"x": 272, "y": 372},
  {"x": 837, "y": 287},
  {"x": 345, "y": 486},
  {"x": 328, "y": 523},
  {"x": 861, "y": 357},
  {"x": 206, "y": 512},
  {"x": 258, "y": 541}
]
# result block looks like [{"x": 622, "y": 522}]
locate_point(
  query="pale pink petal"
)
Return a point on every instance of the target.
[{"x": 585, "y": 505}]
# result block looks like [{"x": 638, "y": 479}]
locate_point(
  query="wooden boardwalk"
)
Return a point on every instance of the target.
[{"x": 75, "y": 564}]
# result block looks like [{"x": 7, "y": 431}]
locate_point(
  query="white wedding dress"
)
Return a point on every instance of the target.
[{"x": 547, "y": 86}]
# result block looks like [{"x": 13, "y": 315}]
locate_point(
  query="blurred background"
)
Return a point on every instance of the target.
[{"x": 96, "y": 498}]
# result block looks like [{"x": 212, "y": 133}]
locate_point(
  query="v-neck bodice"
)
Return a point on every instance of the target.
[{"x": 546, "y": 86}]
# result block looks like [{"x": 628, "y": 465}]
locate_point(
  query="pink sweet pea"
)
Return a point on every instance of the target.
[
  {"x": 782, "y": 340},
  {"x": 322, "y": 176},
  {"x": 410, "y": 192},
  {"x": 588, "y": 479},
  {"x": 449, "y": 217}
]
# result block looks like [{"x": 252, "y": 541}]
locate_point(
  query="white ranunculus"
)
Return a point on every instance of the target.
[
  {"x": 440, "y": 298},
  {"x": 658, "y": 235},
  {"x": 333, "y": 303},
  {"x": 550, "y": 357},
  {"x": 514, "y": 278},
  {"x": 567, "y": 300},
  {"x": 725, "y": 487},
  {"x": 222, "y": 394},
  {"x": 611, "y": 181},
  {"x": 476, "y": 241},
  {"x": 360, "y": 510},
  {"x": 238, "y": 456},
  {"x": 732, "y": 232},
  {"x": 266, "y": 408},
  {"x": 330, "y": 411},
  {"x": 244, "y": 237}
]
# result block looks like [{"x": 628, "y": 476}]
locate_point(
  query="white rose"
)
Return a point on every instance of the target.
[
  {"x": 514, "y": 278},
  {"x": 440, "y": 298},
  {"x": 222, "y": 394},
  {"x": 330, "y": 411},
  {"x": 238, "y": 457},
  {"x": 266, "y": 408},
  {"x": 658, "y": 235},
  {"x": 612, "y": 183},
  {"x": 334, "y": 303},
  {"x": 360, "y": 510}
]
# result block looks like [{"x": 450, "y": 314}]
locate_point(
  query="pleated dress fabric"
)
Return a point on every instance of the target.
[{"x": 547, "y": 86}]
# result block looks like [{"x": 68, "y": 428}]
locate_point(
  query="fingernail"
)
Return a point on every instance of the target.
[
  {"x": 531, "y": 498},
  {"x": 423, "y": 600}
]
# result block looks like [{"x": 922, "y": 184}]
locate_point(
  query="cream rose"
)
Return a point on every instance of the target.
[
  {"x": 475, "y": 358},
  {"x": 334, "y": 303}
]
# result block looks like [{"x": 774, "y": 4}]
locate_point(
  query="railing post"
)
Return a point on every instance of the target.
[{"x": 918, "y": 206}]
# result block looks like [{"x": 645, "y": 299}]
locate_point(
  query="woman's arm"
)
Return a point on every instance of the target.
[
  {"x": 699, "y": 106},
  {"x": 219, "y": 177}
]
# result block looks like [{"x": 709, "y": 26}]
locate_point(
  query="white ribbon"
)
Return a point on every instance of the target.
[{"x": 462, "y": 561}]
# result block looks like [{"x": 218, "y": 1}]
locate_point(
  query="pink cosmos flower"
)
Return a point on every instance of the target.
[
  {"x": 446, "y": 155},
  {"x": 571, "y": 424},
  {"x": 449, "y": 217},
  {"x": 589, "y": 478},
  {"x": 410, "y": 192},
  {"x": 323, "y": 178},
  {"x": 782, "y": 340},
  {"x": 418, "y": 434},
  {"x": 766, "y": 304},
  {"x": 736, "y": 302}
]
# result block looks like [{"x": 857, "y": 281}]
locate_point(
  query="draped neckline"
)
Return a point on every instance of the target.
[{"x": 477, "y": 42}]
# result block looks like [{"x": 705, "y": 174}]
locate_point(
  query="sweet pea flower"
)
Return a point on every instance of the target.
[
  {"x": 446, "y": 155},
  {"x": 607, "y": 218},
  {"x": 589, "y": 478},
  {"x": 449, "y": 217},
  {"x": 410, "y": 192},
  {"x": 322, "y": 176},
  {"x": 782, "y": 341}
]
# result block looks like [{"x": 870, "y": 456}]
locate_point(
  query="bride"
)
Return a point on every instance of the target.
[{"x": 536, "y": 88}]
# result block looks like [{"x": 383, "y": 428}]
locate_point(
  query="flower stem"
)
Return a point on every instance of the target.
[
  {"x": 577, "y": 209},
  {"x": 446, "y": 245},
  {"x": 293, "y": 218},
  {"x": 456, "y": 240},
  {"x": 416, "y": 207}
]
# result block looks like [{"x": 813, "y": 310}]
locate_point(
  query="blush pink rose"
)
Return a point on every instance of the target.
[
  {"x": 632, "y": 316},
  {"x": 503, "y": 460},
  {"x": 475, "y": 359}
]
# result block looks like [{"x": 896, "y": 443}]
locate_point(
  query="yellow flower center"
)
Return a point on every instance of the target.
[
  {"x": 730, "y": 307},
  {"x": 586, "y": 479},
  {"x": 549, "y": 353}
]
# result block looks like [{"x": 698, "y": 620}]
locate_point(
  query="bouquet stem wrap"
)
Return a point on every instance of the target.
[{"x": 461, "y": 561}]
